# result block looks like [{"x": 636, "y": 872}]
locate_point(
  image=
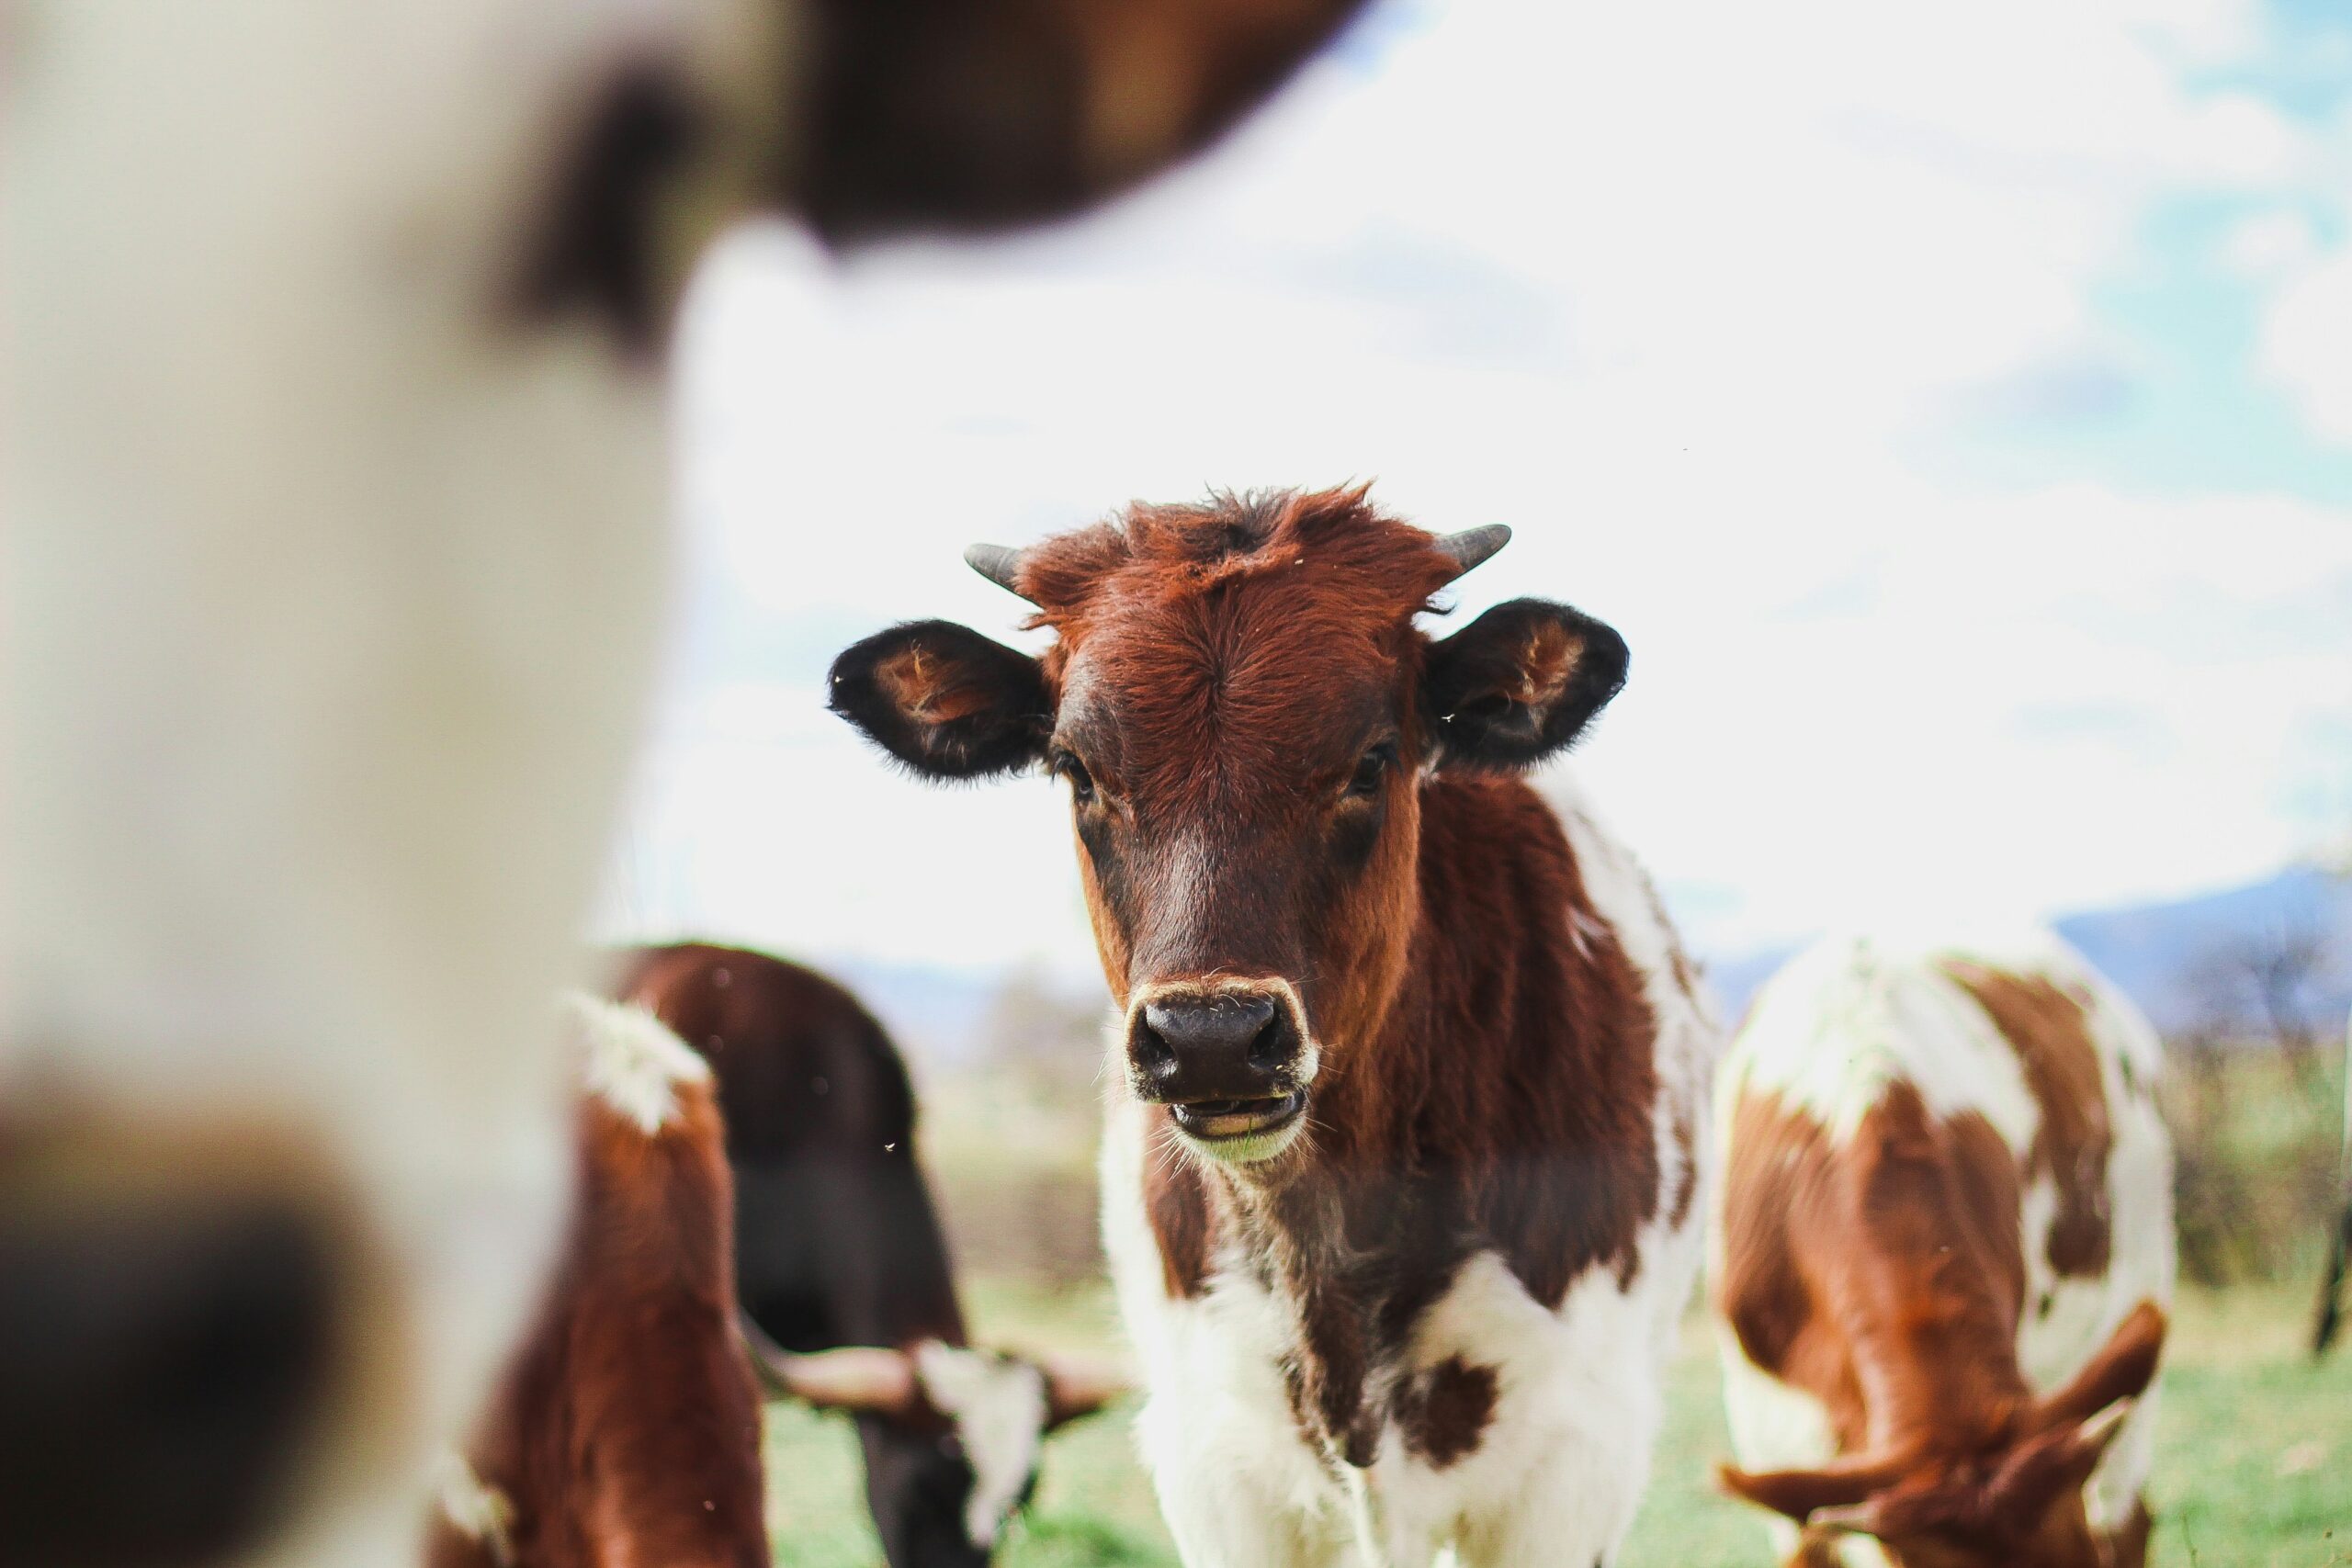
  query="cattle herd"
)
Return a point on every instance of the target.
[{"x": 334, "y": 579}]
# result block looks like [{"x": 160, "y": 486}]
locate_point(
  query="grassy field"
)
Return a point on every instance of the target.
[{"x": 2254, "y": 1468}]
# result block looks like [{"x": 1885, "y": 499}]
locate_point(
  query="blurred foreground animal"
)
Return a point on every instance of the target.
[
  {"x": 334, "y": 570},
  {"x": 1944, "y": 1250},
  {"x": 1400, "y": 1182},
  {"x": 626, "y": 1428},
  {"x": 837, "y": 1249}
]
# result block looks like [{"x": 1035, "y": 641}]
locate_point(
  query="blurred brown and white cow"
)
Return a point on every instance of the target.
[
  {"x": 626, "y": 1428},
  {"x": 1944, "y": 1248},
  {"x": 333, "y": 569},
  {"x": 1399, "y": 1190},
  {"x": 839, "y": 1262}
]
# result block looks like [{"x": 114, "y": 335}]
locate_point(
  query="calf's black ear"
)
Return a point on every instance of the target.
[
  {"x": 1520, "y": 683},
  {"x": 944, "y": 700}
]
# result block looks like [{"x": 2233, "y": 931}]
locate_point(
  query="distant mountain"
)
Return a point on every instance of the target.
[{"x": 2200, "y": 965}]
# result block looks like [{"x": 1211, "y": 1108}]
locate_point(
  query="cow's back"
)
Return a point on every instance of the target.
[{"x": 2043, "y": 1073}]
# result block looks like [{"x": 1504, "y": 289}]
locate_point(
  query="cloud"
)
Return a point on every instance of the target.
[
  {"x": 2307, "y": 342},
  {"x": 2269, "y": 245}
]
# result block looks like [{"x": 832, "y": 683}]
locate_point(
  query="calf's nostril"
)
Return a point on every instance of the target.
[
  {"x": 1151, "y": 1049},
  {"x": 1269, "y": 1049},
  {"x": 160, "y": 1363}
]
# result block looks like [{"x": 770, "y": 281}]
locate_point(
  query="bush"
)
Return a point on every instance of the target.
[{"x": 2259, "y": 1143}]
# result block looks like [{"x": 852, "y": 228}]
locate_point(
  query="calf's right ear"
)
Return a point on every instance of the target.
[{"x": 944, "y": 700}]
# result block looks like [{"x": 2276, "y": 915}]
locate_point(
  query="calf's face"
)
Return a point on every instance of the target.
[{"x": 1242, "y": 710}]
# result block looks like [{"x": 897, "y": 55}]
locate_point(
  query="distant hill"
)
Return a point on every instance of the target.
[{"x": 2194, "y": 964}]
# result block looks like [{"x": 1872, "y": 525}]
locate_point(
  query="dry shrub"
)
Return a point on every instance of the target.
[{"x": 2258, "y": 1145}]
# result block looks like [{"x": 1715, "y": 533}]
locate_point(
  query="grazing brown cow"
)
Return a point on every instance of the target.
[
  {"x": 333, "y": 572},
  {"x": 837, "y": 1247},
  {"x": 1399, "y": 1189},
  {"x": 625, "y": 1431},
  {"x": 1944, "y": 1246}
]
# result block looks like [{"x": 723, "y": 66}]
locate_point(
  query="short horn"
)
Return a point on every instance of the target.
[
  {"x": 1472, "y": 546},
  {"x": 866, "y": 1379},
  {"x": 999, "y": 564},
  {"x": 1077, "y": 1386}
]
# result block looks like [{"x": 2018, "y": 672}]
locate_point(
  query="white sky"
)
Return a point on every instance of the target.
[{"x": 1800, "y": 341}]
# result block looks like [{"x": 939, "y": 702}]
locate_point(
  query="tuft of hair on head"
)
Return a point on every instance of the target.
[{"x": 630, "y": 1060}]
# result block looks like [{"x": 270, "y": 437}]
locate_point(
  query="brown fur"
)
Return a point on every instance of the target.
[
  {"x": 773, "y": 1032},
  {"x": 2050, "y": 1031},
  {"x": 1878, "y": 1278},
  {"x": 625, "y": 1431},
  {"x": 1487, "y": 1077},
  {"x": 1176, "y": 1198},
  {"x": 838, "y": 1241},
  {"x": 1443, "y": 1412},
  {"x": 1884, "y": 1276},
  {"x": 920, "y": 112}
]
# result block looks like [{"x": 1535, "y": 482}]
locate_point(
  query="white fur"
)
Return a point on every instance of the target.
[
  {"x": 474, "y": 1509},
  {"x": 1850, "y": 1016},
  {"x": 998, "y": 1405},
  {"x": 331, "y": 592},
  {"x": 1560, "y": 1468},
  {"x": 632, "y": 1061}
]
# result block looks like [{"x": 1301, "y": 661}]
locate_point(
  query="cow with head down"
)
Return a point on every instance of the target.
[
  {"x": 1942, "y": 1257},
  {"x": 1401, "y": 1169},
  {"x": 840, "y": 1263},
  {"x": 333, "y": 572}
]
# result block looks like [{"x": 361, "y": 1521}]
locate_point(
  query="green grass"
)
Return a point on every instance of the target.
[{"x": 2254, "y": 1468}]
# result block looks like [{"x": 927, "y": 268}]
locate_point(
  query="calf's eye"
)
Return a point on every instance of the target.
[
  {"x": 1082, "y": 783},
  {"x": 1365, "y": 782}
]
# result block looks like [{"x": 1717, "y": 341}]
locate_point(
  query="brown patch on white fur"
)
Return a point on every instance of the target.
[
  {"x": 2050, "y": 1031},
  {"x": 1882, "y": 1275},
  {"x": 1443, "y": 1412}
]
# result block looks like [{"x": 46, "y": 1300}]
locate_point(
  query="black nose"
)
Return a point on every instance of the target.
[
  {"x": 158, "y": 1362},
  {"x": 1226, "y": 1045}
]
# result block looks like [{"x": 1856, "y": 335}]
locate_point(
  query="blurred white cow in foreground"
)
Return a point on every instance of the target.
[{"x": 334, "y": 570}]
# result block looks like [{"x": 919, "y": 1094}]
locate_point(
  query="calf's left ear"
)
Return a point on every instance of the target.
[
  {"x": 1520, "y": 683},
  {"x": 944, "y": 700}
]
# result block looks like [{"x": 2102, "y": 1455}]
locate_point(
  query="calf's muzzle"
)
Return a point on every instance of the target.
[{"x": 1231, "y": 1064}]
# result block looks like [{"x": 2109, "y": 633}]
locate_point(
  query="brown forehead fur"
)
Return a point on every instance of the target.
[{"x": 1248, "y": 612}]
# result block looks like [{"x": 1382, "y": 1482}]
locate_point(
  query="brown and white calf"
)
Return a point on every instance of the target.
[
  {"x": 626, "y": 1429},
  {"x": 1399, "y": 1184},
  {"x": 333, "y": 573},
  {"x": 1943, "y": 1253},
  {"x": 841, "y": 1265}
]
